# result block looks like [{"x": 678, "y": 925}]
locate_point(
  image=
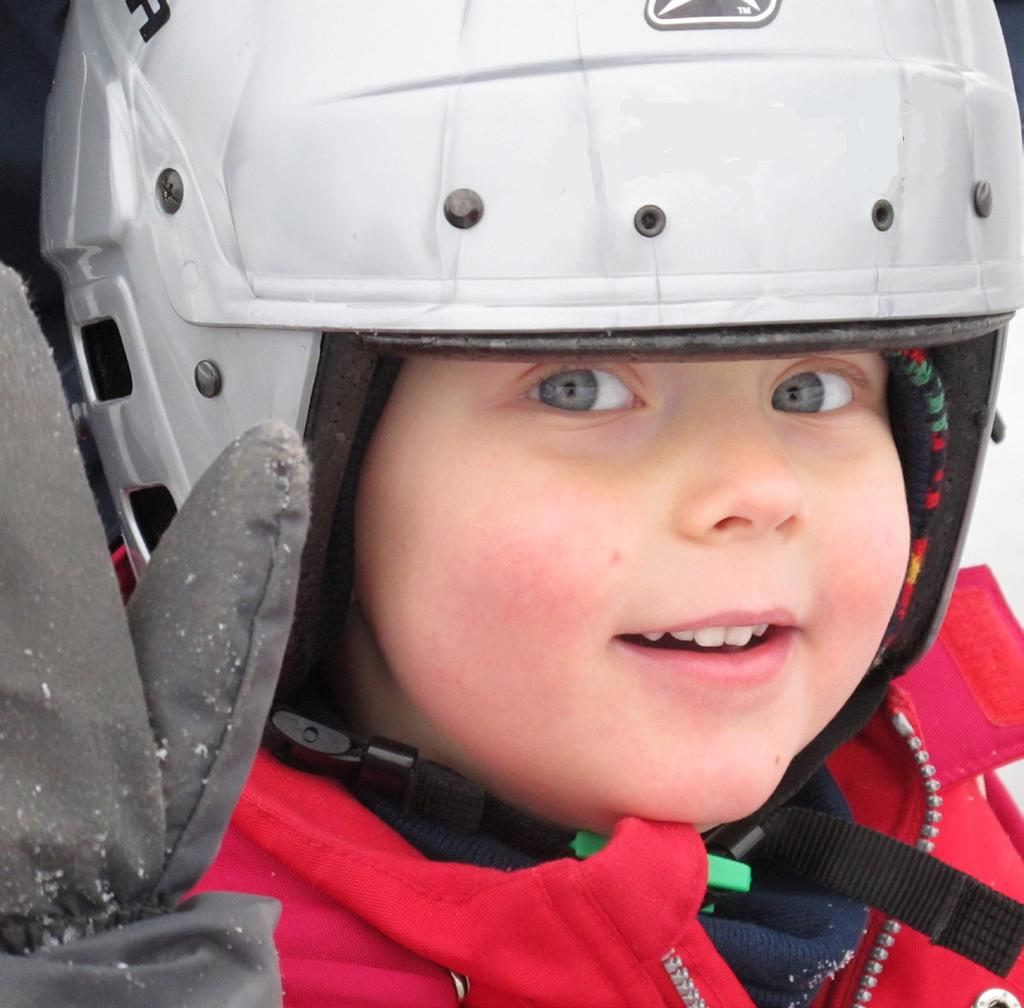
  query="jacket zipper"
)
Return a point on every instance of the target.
[
  {"x": 926, "y": 841},
  {"x": 682, "y": 981},
  {"x": 865, "y": 991}
]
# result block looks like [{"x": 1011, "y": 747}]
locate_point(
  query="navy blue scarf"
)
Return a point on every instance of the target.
[{"x": 782, "y": 939}]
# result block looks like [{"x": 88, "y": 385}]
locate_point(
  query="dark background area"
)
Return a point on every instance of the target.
[{"x": 29, "y": 38}]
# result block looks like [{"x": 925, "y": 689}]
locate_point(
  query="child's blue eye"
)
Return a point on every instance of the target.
[
  {"x": 812, "y": 392},
  {"x": 582, "y": 389}
]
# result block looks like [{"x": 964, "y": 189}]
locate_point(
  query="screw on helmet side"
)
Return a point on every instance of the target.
[{"x": 170, "y": 191}]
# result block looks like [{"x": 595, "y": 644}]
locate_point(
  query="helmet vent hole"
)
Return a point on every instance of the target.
[
  {"x": 109, "y": 372},
  {"x": 883, "y": 215},
  {"x": 153, "y": 509}
]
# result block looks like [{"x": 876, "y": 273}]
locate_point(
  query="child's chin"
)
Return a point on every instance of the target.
[
  {"x": 730, "y": 805},
  {"x": 704, "y": 804}
]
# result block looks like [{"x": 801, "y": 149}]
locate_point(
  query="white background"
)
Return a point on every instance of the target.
[{"x": 997, "y": 529}]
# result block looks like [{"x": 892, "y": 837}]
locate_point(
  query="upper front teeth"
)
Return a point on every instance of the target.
[{"x": 738, "y": 636}]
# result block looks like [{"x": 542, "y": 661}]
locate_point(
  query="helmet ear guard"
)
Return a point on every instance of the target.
[
  {"x": 942, "y": 478},
  {"x": 336, "y": 435}
]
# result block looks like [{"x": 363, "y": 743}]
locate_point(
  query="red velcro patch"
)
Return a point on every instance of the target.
[{"x": 987, "y": 645}]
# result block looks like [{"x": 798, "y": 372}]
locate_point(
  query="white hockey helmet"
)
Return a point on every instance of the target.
[{"x": 249, "y": 203}]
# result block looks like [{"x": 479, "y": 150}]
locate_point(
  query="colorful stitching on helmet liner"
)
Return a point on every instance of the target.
[{"x": 919, "y": 370}]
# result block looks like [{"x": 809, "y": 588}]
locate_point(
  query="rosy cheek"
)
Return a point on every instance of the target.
[
  {"x": 887, "y": 544},
  {"x": 866, "y": 565},
  {"x": 540, "y": 573}
]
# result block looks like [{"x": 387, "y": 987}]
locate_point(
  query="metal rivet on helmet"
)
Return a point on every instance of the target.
[
  {"x": 883, "y": 215},
  {"x": 463, "y": 208},
  {"x": 208, "y": 379},
  {"x": 983, "y": 199},
  {"x": 170, "y": 190},
  {"x": 649, "y": 220}
]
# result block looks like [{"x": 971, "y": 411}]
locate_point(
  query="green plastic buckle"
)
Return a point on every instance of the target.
[
  {"x": 586, "y": 843},
  {"x": 728, "y": 875},
  {"x": 724, "y": 874}
]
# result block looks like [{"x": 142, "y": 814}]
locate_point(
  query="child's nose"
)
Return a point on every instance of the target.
[{"x": 737, "y": 482}]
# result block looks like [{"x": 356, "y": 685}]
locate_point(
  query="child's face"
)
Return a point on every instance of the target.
[{"x": 511, "y": 552}]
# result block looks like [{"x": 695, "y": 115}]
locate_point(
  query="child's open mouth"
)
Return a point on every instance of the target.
[
  {"x": 726, "y": 656},
  {"x": 721, "y": 640}
]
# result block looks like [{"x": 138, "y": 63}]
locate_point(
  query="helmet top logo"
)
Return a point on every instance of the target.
[
  {"x": 156, "y": 16},
  {"x": 666, "y": 15}
]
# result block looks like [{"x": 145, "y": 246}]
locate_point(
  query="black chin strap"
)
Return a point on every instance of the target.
[
  {"x": 422, "y": 786},
  {"x": 953, "y": 909}
]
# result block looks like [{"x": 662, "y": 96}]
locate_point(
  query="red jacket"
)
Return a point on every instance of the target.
[{"x": 368, "y": 921}]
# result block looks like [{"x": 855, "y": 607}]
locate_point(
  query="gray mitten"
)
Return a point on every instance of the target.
[{"x": 124, "y": 743}]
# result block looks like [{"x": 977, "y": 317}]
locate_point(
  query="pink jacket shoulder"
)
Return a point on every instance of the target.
[{"x": 969, "y": 692}]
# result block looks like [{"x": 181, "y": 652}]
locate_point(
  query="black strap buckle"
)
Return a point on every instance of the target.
[
  {"x": 381, "y": 764},
  {"x": 733, "y": 840}
]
